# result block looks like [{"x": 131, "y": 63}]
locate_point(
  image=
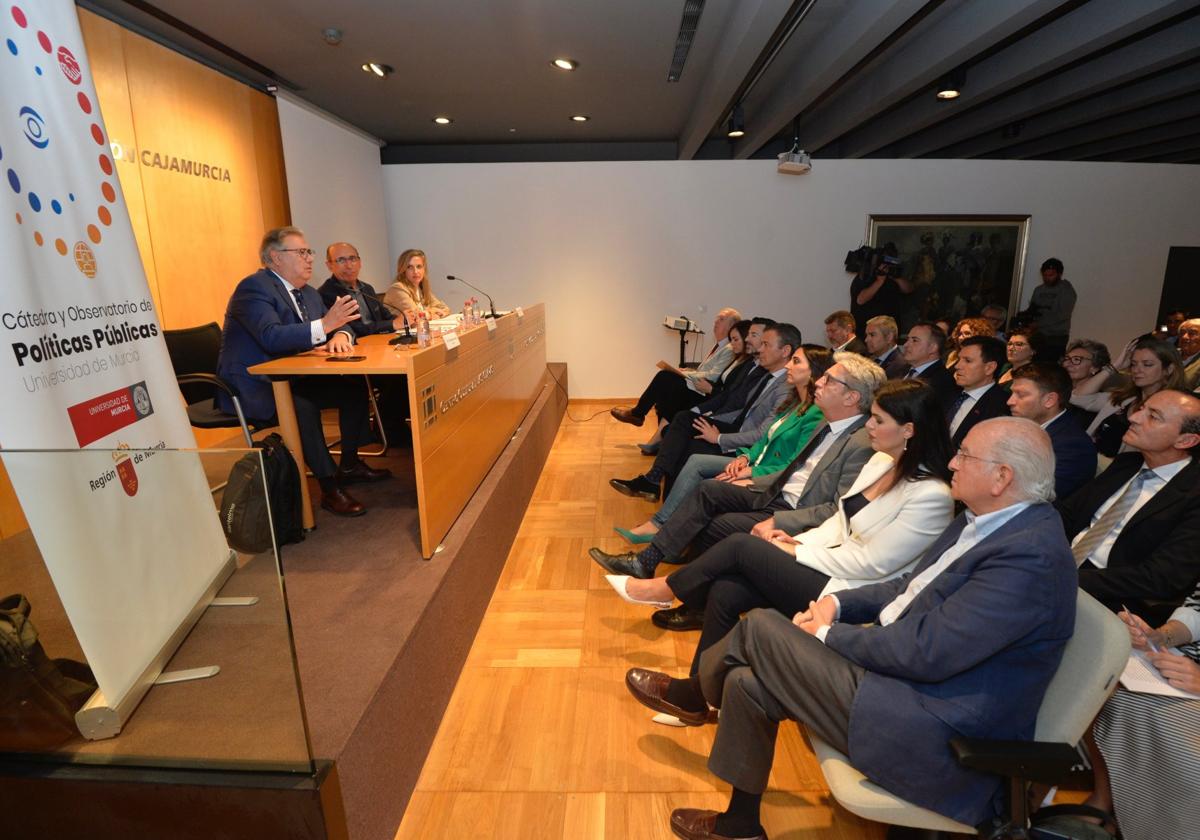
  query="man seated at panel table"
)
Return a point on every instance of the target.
[
  {"x": 1135, "y": 528},
  {"x": 724, "y": 424},
  {"x": 275, "y": 313},
  {"x": 1041, "y": 392},
  {"x": 888, "y": 673},
  {"x": 344, "y": 263}
]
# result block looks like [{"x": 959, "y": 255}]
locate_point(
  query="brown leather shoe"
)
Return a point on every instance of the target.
[
  {"x": 624, "y": 415},
  {"x": 361, "y": 472},
  {"x": 695, "y": 824},
  {"x": 650, "y": 688},
  {"x": 341, "y": 503}
]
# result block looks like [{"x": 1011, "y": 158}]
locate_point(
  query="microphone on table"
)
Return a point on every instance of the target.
[
  {"x": 408, "y": 337},
  {"x": 491, "y": 304}
]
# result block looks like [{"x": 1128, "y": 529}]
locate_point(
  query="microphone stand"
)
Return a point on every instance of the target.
[
  {"x": 491, "y": 304},
  {"x": 408, "y": 337}
]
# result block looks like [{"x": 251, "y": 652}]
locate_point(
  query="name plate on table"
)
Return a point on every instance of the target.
[
  {"x": 520, "y": 312},
  {"x": 450, "y": 339},
  {"x": 491, "y": 324}
]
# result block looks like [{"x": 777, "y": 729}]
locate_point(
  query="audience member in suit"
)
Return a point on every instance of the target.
[
  {"x": 1188, "y": 344},
  {"x": 411, "y": 292},
  {"x": 799, "y": 497},
  {"x": 1041, "y": 393},
  {"x": 888, "y": 673},
  {"x": 668, "y": 392},
  {"x": 344, "y": 263},
  {"x": 1135, "y": 528},
  {"x": 893, "y": 512},
  {"x": 839, "y": 330},
  {"x": 726, "y": 424},
  {"x": 274, "y": 313},
  {"x": 923, "y": 352},
  {"x": 880, "y": 339},
  {"x": 975, "y": 372},
  {"x": 793, "y": 424}
]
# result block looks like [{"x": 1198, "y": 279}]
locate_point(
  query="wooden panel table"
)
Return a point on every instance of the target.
[{"x": 466, "y": 403}]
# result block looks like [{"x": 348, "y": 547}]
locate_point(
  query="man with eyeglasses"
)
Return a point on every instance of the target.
[
  {"x": 343, "y": 261},
  {"x": 273, "y": 313},
  {"x": 1189, "y": 350},
  {"x": 964, "y": 645}
]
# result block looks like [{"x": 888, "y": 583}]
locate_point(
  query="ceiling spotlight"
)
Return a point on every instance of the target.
[
  {"x": 737, "y": 124},
  {"x": 950, "y": 86},
  {"x": 565, "y": 63},
  {"x": 442, "y": 120},
  {"x": 580, "y": 117},
  {"x": 332, "y": 36},
  {"x": 380, "y": 70}
]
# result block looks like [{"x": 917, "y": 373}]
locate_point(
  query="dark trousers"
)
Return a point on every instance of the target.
[
  {"x": 348, "y": 394},
  {"x": 736, "y": 575},
  {"x": 667, "y": 394},
  {"x": 714, "y": 511},
  {"x": 764, "y": 671},
  {"x": 679, "y": 442}
]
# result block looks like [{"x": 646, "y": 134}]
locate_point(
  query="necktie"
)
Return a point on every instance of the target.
[
  {"x": 778, "y": 484},
  {"x": 1115, "y": 513},
  {"x": 304, "y": 317},
  {"x": 912, "y": 374},
  {"x": 963, "y": 396},
  {"x": 752, "y": 399}
]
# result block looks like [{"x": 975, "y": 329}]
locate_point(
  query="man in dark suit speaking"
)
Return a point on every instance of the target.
[
  {"x": 888, "y": 673},
  {"x": 274, "y": 313}
]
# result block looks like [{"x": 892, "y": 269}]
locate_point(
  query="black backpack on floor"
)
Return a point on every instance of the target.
[{"x": 244, "y": 516}]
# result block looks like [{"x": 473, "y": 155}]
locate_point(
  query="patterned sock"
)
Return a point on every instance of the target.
[{"x": 651, "y": 556}]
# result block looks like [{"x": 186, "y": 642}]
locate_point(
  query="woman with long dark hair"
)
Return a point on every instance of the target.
[{"x": 898, "y": 505}]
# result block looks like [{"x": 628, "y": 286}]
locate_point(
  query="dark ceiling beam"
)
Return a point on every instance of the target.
[
  {"x": 1162, "y": 50},
  {"x": 1163, "y": 86},
  {"x": 1068, "y": 38},
  {"x": 1137, "y": 154},
  {"x": 1191, "y": 155},
  {"x": 742, "y": 37},
  {"x": 806, "y": 67},
  {"x": 1152, "y": 115},
  {"x": 951, "y": 35},
  {"x": 1109, "y": 146}
]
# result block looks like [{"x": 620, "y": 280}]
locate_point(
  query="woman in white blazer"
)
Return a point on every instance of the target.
[{"x": 898, "y": 505}]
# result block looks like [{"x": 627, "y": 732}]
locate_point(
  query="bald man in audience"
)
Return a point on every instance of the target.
[
  {"x": 888, "y": 673},
  {"x": 1135, "y": 529}
]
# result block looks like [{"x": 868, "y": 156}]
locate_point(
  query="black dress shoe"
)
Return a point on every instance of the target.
[
  {"x": 624, "y": 415},
  {"x": 639, "y": 487},
  {"x": 360, "y": 472},
  {"x": 629, "y": 563},
  {"x": 682, "y": 617},
  {"x": 650, "y": 688},
  {"x": 341, "y": 503}
]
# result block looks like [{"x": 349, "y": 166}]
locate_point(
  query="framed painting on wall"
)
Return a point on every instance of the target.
[{"x": 956, "y": 265}]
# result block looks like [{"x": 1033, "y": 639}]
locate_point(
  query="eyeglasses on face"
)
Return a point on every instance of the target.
[
  {"x": 304, "y": 253},
  {"x": 353, "y": 258},
  {"x": 967, "y": 456},
  {"x": 1075, "y": 360}
]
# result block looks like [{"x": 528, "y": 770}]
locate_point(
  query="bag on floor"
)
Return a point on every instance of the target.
[{"x": 245, "y": 516}]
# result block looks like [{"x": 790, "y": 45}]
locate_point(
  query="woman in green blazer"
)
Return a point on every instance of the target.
[{"x": 781, "y": 440}]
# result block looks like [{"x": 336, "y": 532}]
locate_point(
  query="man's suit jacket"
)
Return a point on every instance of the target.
[
  {"x": 971, "y": 655},
  {"x": 893, "y": 364},
  {"x": 261, "y": 324},
  {"x": 855, "y": 345},
  {"x": 1191, "y": 374},
  {"x": 381, "y": 318},
  {"x": 993, "y": 403},
  {"x": 829, "y": 481},
  {"x": 942, "y": 381},
  {"x": 1074, "y": 455},
  {"x": 734, "y": 398},
  {"x": 1156, "y": 556},
  {"x": 758, "y": 417}
]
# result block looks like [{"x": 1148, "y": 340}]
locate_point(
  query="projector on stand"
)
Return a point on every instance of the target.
[{"x": 680, "y": 323}]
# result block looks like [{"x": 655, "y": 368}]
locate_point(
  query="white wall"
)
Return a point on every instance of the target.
[
  {"x": 335, "y": 188},
  {"x": 613, "y": 247}
]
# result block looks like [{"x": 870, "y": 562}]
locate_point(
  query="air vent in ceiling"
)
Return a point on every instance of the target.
[{"x": 687, "y": 34}]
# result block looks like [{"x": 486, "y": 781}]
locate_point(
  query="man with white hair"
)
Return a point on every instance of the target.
[{"x": 888, "y": 673}]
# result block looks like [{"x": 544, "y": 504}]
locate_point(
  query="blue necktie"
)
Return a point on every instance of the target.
[{"x": 304, "y": 317}]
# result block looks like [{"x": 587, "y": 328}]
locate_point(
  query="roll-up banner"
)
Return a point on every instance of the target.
[{"x": 132, "y": 539}]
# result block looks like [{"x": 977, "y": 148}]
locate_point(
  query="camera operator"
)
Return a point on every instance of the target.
[
  {"x": 879, "y": 288},
  {"x": 1050, "y": 308}
]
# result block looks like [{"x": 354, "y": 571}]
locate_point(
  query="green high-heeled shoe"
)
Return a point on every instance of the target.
[{"x": 636, "y": 539}]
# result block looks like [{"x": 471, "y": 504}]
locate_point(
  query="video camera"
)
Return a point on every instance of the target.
[{"x": 883, "y": 261}]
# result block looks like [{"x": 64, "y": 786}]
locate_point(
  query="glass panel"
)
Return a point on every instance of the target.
[{"x": 125, "y": 551}]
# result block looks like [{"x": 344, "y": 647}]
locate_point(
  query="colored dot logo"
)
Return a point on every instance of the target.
[
  {"x": 35, "y": 128},
  {"x": 55, "y": 210}
]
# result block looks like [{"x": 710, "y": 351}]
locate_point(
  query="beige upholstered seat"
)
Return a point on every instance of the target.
[{"x": 1091, "y": 665}]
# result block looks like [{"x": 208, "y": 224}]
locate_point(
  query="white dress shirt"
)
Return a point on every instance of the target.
[
  {"x": 972, "y": 397},
  {"x": 794, "y": 489},
  {"x": 1152, "y": 484},
  {"x": 315, "y": 328}
]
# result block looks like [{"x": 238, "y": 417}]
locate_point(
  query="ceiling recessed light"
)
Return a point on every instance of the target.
[
  {"x": 950, "y": 86},
  {"x": 580, "y": 117},
  {"x": 380, "y": 70},
  {"x": 565, "y": 63},
  {"x": 442, "y": 120}
]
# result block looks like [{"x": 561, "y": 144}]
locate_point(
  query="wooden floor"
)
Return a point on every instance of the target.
[{"x": 541, "y": 739}]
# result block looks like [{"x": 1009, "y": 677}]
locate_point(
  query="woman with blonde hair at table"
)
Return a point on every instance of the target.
[{"x": 411, "y": 291}]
